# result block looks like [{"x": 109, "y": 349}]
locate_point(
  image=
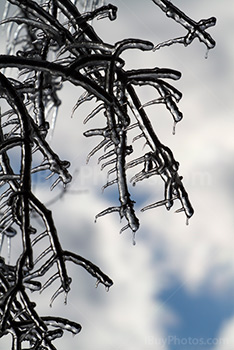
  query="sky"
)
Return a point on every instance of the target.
[{"x": 174, "y": 289}]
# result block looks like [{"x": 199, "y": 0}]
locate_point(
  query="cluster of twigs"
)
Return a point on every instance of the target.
[{"x": 50, "y": 42}]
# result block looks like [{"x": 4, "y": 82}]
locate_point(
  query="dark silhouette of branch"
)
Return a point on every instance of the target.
[{"x": 48, "y": 45}]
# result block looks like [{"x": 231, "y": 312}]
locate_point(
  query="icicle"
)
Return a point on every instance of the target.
[
  {"x": 83, "y": 98},
  {"x": 108, "y": 163},
  {"x": 106, "y": 155},
  {"x": 97, "y": 283},
  {"x": 55, "y": 183},
  {"x": 95, "y": 149},
  {"x": 109, "y": 144},
  {"x": 65, "y": 298},
  {"x": 137, "y": 137},
  {"x": 179, "y": 210},
  {"x": 42, "y": 255},
  {"x": 53, "y": 122},
  {"x": 135, "y": 162},
  {"x": 8, "y": 250},
  {"x": 109, "y": 183},
  {"x": 174, "y": 128},
  {"x": 94, "y": 112},
  {"x": 39, "y": 237},
  {"x": 134, "y": 238},
  {"x": 111, "y": 171},
  {"x": 124, "y": 228},
  {"x": 54, "y": 296},
  {"x": 106, "y": 211},
  {"x": 50, "y": 175},
  {"x": 152, "y": 102},
  {"x": 49, "y": 282},
  {"x": 1, "y": 241},
  {"x": 155, "y": 205}
]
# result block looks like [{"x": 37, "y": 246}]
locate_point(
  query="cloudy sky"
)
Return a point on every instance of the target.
[{"x": 173, "y": 290}]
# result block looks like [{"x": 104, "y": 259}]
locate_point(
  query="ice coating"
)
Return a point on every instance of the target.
[
  {"x": 62, "y": 46},
  {"x": 195, "y": 29}
]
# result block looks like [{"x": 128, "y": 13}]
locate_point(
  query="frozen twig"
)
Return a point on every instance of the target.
[{"x": 195, "y": 29}]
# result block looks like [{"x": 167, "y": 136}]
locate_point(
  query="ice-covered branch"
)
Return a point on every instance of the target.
[
  {"x": 50, "y": 42},
  {"x": 195, "y": 29}
]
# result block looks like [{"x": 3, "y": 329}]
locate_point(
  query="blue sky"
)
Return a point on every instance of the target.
[
  {"x": 175, "y": 288},
  {"x": 201, "y": 316}
]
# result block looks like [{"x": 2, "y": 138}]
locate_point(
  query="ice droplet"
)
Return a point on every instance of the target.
[
  {"x": 65, "y": 298},
  {"x": 134, "y": 238}
]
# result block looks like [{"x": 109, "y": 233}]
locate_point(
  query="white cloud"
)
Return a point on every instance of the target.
[{"x": 225, "y": 339}]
